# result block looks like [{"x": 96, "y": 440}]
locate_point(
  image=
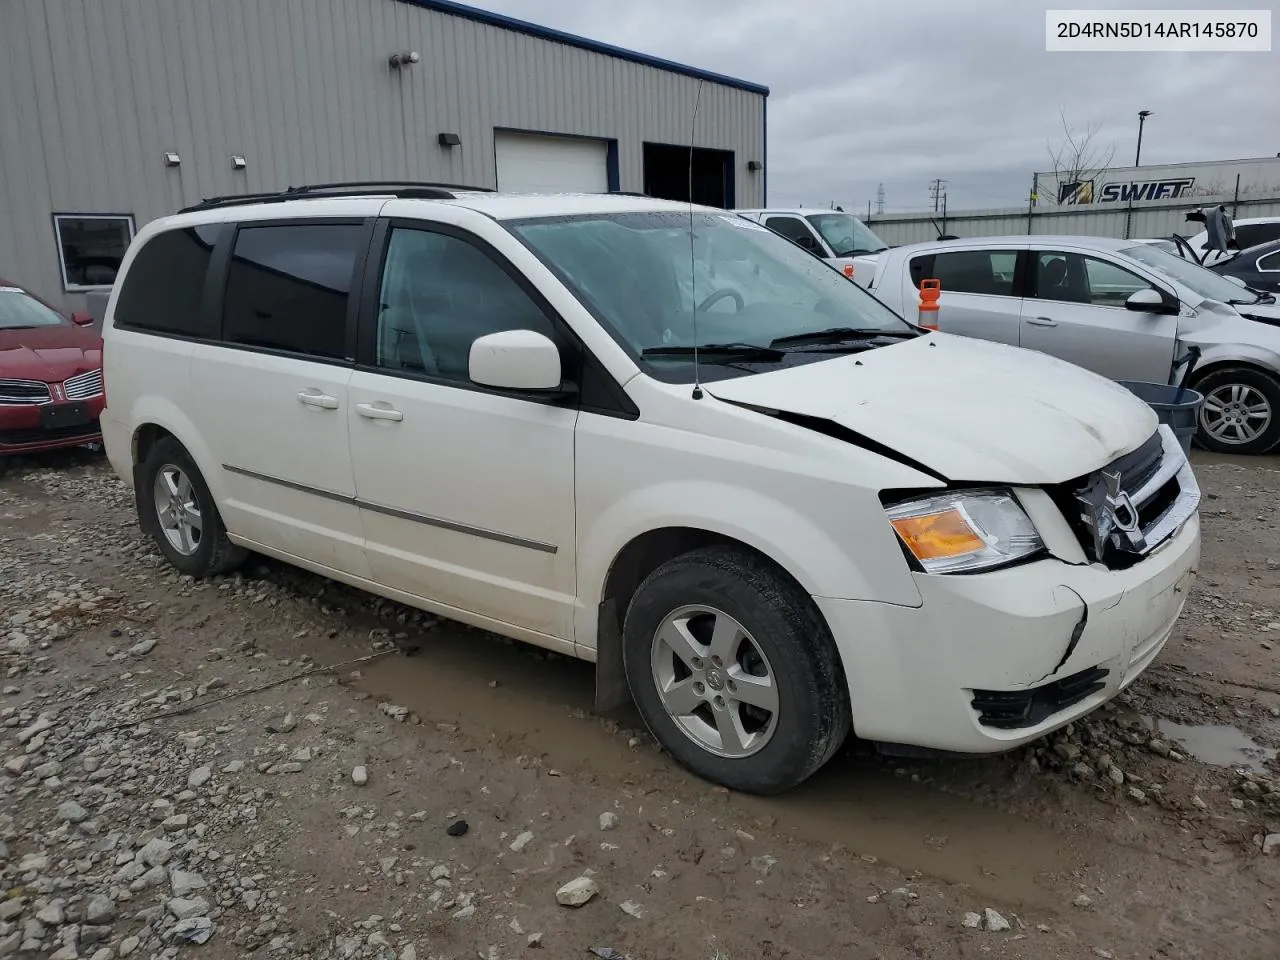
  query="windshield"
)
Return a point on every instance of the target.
[
  {"x": 641, "y": 275},
  {"x": 846, "y": 235},
  {"x": 1205, "y": 282},
  {"x": 19, "y": 311}
]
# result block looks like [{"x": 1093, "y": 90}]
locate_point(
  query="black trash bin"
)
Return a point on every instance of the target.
[{"x": 1178, "y": 407}]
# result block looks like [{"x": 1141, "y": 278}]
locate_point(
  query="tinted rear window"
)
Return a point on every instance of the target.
[
  {"x": 1252, "y": 234},
  {"x": 164, "y": 287},
  {"x": 989, "y": 272},
  {"x": 288, "y": 288}
]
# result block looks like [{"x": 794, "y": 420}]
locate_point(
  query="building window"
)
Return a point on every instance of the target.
[{"x": 90, "y": 248}]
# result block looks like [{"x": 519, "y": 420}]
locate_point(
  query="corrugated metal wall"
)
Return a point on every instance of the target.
[
  {"x": 1155, "y": 218},
  {"x": 93, "y": 93}
]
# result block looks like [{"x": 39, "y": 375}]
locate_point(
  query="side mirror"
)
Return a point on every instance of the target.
[
  {"x": 1149, "y": 301},
  {"x": 516, "y": 360},
  {"x": 82, "y": 319}
]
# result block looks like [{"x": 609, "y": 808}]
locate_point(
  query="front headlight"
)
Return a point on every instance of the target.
[{"x": 965, "y": 531}]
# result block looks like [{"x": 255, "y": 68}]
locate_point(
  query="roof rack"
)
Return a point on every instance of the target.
[{"x": 403, "y": 189}]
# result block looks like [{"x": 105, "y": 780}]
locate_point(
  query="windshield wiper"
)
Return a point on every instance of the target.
[
  {"x": 1261, "y": 297},
  {"x": 837, "y": 335},
  {"x": 738, "y": 351}
]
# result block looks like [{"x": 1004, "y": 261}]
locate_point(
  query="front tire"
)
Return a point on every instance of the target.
[
  {"x": 734, "y": 671},
  {"x": 1241, "y": 411},
  {"x": 176, "y": 509}
]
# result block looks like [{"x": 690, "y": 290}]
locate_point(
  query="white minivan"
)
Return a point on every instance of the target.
[{"x": 768, "y": 509}]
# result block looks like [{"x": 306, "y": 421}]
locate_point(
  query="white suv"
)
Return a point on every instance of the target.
[
  {"x": 839, "y": 238},
  {"x": 489, "y": 407}
]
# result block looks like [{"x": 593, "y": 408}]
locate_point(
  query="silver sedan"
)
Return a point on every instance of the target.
[{"x": 1125, "y": 309}]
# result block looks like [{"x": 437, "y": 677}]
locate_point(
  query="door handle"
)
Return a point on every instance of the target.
[
  {"x": 314, "y": 398},
  {"x": 374, "y": 411},
  {"x": 1042, "y": 321}
]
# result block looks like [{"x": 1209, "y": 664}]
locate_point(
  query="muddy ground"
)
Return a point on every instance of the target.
[{"x": 179, "y": 767}]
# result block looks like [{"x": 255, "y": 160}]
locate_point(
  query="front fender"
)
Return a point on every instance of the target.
[
  {"x": 1218, "y": 354},
  {"x": 795, "y": 540}
]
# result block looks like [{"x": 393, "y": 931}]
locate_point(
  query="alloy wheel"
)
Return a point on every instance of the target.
[
  {"x": 1236, "y": 413},
  {"x": 177, "y": 510},
  {"x": 715, "y": 682}
]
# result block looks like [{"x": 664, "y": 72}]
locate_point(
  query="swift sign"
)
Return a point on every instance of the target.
[
  {"x": 1146, "y": 190},
  {"x": 1084, "y": 191}
]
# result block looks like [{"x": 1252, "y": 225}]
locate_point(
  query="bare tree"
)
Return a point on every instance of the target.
[{"x": 1077, "y": 162}]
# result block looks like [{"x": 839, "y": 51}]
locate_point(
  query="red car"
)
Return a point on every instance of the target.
[{"x": 51, "y": 390}]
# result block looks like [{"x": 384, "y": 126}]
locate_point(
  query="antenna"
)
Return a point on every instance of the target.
[{"x": 693, "y": 269}]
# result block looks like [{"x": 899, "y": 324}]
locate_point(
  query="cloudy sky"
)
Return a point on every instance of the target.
[{"x": 902, "y": 92}]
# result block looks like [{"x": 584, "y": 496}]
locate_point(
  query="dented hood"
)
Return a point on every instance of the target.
[{"x": 968, "y": 409}]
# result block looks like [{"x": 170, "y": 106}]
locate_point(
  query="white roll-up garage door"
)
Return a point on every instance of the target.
[{"x": 528, "y": 163}]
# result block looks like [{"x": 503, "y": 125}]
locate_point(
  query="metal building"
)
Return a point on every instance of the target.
[{"x": 115, "y": 112}]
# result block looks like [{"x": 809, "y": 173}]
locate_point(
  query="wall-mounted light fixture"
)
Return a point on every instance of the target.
[
  {"x": 237, "y": 162},
  {"x": 755, "y": 166},
  {"x": 171, "y": 159},
  {"x": 449, "y": 140},
  {"x": 398, "y": 60}
]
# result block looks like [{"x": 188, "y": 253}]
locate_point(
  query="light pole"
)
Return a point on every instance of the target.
[{"x": 1142, "y": 118}]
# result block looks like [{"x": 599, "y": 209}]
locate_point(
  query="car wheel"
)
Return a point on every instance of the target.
[
  {"x": 734, "y": 671},
  {"x": 1241, "y": 411},
  {"x": 176, "y": 509}
]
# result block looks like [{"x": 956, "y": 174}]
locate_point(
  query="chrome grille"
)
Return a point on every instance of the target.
[
  {"x": 1128, "y": 508},
  {"x": 24, "y": 391},
  {"x": 84, "y": 385}
]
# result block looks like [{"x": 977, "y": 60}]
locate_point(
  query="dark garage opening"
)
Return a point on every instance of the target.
[{"x": 666, "y": 174}]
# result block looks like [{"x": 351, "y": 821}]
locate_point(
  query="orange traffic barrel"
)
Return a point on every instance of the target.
[{"x": 930, "y": 291}]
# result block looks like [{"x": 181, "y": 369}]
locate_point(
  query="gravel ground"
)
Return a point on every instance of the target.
[{"x": 270, "y": 764}]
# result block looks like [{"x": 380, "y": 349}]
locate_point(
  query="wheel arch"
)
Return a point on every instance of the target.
[
  {"x": 1223, "y": 362},
  {"x": 145, "y": 437},
  {"x": 638, "y": 558},
  {"x": 154, "y": 418}
]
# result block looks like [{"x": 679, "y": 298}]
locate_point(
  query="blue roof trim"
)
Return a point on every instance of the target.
[{"x": 572, "y": 40}]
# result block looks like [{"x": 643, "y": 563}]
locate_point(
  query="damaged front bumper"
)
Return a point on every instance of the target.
[{"x": 992, "y": 661}]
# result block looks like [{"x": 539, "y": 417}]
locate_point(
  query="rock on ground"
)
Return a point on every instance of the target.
[
  {"x": 994, "y": 921},
  {"x": 577, "y": 892}
]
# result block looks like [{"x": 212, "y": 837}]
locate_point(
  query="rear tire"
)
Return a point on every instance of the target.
[
  {"x": 176, "y": 509},
  {"x": 1241, "y": 411},
  {"x": 734, "y": 671}
]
